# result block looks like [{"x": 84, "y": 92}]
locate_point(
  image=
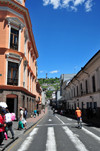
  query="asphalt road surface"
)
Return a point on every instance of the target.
[{"x": 58, "y": 133}]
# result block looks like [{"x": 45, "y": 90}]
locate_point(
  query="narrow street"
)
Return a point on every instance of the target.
[{"x": 58, "y": 133}]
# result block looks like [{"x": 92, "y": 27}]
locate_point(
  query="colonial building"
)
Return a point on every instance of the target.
[
  {"x": 18, "y": 54},
  {"x": 84, "y": 88},
  {"x": 64, "y": 79}
]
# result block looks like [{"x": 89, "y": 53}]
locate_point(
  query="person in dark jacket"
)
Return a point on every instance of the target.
[{"x": 25, "y": 113}]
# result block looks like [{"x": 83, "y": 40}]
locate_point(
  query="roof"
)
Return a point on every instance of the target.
[{"x": 66, "y": 77}]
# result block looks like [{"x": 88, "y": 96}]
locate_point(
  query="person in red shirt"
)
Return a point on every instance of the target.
[
  {"x": 2, "y": 126},
  {"x": 78, "y": 113}
]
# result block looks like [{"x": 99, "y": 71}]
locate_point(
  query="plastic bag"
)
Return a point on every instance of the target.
[{"x": 20, "y": 124}]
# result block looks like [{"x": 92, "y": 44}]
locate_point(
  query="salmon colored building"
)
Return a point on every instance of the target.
[{"x": 18, "y": 54}]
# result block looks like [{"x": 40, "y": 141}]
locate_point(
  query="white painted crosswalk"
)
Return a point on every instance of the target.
[
  {"x": 51, "y": 142},
  {"x": 72, "y": 135}
]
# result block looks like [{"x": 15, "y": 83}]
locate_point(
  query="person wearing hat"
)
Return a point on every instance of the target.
[{"x": 78, "y": 113}]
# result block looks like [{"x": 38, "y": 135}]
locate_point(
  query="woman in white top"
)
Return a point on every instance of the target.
[
  {"x": 9, "y": 123},
  {"x": 22, "y": 118}
]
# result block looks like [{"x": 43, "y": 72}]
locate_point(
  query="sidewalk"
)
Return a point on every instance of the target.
[{"x": 30, "y": 122}]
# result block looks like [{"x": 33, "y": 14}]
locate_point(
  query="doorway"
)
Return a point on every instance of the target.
[{"x": 12, "y": 104}]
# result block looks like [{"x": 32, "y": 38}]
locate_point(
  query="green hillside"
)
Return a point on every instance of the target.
[{"x": 49, "y": 85}]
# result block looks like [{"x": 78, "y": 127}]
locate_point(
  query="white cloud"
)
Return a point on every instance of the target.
[
  {"x": 55, "y": 71},
  {"x": 46, "y": 2},
  {"x": 43, "y": 71},
  {"x": 56, "y": 3},
  {"x": 88, "y": 5},
  {"x": 73, "y": 8},
  {"x": 78, "y": 2},
  {"x": 65, "y": 3},
  {"x": 69, "y": 4}
]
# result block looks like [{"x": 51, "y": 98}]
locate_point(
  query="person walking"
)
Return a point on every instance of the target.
[
  {"x": 9, "y": 122},
  {"x": 25, "y": 113},
  {"x": 2, "y": 127},
  {"x": 38, "y": 112},
  {"x": 22, "y": 119},
  {"x": 44, "y": 111},
  {"x": 54, "y": 112},
  {"x": 78, "y": 113},
  {"x": 35, "y": 112}
]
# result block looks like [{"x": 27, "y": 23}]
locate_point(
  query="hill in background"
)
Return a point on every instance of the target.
[{"x": 49, "y": 85}]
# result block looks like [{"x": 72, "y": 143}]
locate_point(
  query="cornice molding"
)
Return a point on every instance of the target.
[
  {"x": 24, "y": 10},
  {"x": 15, "y": 21}
]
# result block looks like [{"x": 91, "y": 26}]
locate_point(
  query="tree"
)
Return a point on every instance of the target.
[{"x": 48, "y": 94}]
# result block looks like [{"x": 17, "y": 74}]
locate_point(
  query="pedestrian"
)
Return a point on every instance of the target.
[
  {"x": 78, "y": 113},
  {"x": 94, "y": 112},
  {"x": 44, "y": 111},
  {"x": 25, "y": 113},
  {"x": 2, "y": 127},
  {"x": 35, "y": 111},
  {"x": 38, "y": 112},
  {"x": 9, "y": 122},
  {"x": 21, "y": 120},
  {"x": 91, "y": 112},
  {"x": 53, "y": 112}
]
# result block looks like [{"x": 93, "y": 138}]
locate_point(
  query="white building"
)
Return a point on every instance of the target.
[
  {"x": 84, "y": 88},
  {"x": 43, "y": 97}
]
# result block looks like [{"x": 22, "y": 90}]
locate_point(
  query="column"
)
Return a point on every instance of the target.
[
  {"x": 9, "y": 36},
  {"x": 19, "y": 40},
  {"x": 29, "y": 81}
]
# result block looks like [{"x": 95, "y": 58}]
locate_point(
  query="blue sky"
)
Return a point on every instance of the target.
[{"x": 66, "y": 32}]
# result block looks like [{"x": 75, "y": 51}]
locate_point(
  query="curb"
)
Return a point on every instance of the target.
[
  {"x": 9, "y": 143},
  {"x": 33, "y": 125}
]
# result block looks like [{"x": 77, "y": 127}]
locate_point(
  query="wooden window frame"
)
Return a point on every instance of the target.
[{"x": 13, "y": 45}]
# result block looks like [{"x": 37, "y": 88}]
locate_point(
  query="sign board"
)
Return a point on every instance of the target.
[{"x": 20, "y": 1}]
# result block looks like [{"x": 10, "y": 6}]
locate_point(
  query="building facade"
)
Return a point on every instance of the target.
[
  {"x": 84, "y": 88},
  {"x": 18, "y": 54},
  {"x": 64, "y": 80},
  {"x": 43, "y": 98}
]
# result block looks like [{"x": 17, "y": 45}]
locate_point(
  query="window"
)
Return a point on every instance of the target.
[
  {"x": 12, "y": 73},
  {"x": 77, "y": 90},
  {"x": 74, "y": 91},
  {"x": 81, "y": 89},
  {"x": 93, "y": 83},
  {"x": 86, "y": 87},
  {"x": 14, "y": 39}
]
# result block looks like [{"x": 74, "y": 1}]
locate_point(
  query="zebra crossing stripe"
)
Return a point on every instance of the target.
[
  {"x": 28, "y": 140},
  {"x": 51, "y": 142},
  {"x": 78, "y": 144},
  {"x": 91, "y": 134}
]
